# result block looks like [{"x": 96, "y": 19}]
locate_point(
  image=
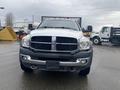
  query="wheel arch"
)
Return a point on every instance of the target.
[
  {"x": 96, "y": 37},
  {"x": 99, "y": 40}
]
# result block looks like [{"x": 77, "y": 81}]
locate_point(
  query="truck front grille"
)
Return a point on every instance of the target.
[
  {"x": 41, "y": 42},
  {"x": 65, "y": 43},
  {"x": 66, "y": 47},
  {"x": 41, "y": 46},
  {"x": 41, "y": 39},
  {"x": 53, "y": 43},
  {"x": 65, "y": 40}
]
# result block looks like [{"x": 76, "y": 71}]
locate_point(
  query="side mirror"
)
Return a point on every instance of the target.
[
  {"x": 30, "y": 27},
  {"x": 89, "y": 28},
  {"x": 87, "y": 32}
]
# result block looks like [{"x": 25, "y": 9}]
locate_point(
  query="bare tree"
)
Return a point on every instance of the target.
[{"x": 9, "y": 19}]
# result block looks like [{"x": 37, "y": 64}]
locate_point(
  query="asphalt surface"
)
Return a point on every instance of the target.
[{"x": 104, "y": 75}]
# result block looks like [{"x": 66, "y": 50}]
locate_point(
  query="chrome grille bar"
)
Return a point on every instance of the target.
[{"x": 53, "y": 46}]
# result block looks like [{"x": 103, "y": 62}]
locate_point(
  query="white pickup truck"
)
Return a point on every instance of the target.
[
  {"x": 107, "y": 34},
  {"x": 56, "y": 45}
]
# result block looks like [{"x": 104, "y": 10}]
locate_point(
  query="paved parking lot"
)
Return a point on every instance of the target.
[{"x": 104, "y": 75}]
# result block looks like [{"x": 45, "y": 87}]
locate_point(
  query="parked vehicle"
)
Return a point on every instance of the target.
[
  {"x": 107, "y": 34},
  {"x": 58, "y": 44}
]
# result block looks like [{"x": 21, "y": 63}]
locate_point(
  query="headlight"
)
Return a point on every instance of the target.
[
  {"x": 85, "y": 44},
  {"x": 26, "y": 41}
]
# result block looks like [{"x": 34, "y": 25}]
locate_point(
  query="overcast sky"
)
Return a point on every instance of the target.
[{"x": 95, "y": 12}]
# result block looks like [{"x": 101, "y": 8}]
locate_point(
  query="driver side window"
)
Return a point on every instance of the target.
[{"x": 104, "y": 30}]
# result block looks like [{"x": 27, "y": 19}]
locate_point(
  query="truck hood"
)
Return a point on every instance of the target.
[
  {"x": 57, "y": 32},
  {"x": 93, "y": 34}
]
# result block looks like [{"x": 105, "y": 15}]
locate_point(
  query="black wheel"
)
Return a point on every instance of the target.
[
  {"x": 96, "y": 41},
  {"x": 84, "y": 72},
  {"x": 25, "y": 69}
]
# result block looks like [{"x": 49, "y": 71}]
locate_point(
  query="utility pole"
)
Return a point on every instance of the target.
[
  {"x": 9, "y": 19},
  {"x": 33, "y": 19},
  {"x": 0, "y": 19}
]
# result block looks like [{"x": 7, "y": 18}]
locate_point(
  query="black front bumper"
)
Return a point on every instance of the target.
[{"x": 71, "y": 65}]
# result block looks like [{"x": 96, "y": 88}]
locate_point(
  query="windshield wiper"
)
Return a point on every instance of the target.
[
  {"x": 44, "y": 27},
  {"x": 69, "y": 28},
  {"x": 58, "y": 27},
  {"x": 47, "y": 27}
]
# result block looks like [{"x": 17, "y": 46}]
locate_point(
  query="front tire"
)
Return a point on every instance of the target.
[
  {"x": 25, "y": 69},
  {"x": 84, "y": 72},
  {"x": 96, "y": 41}
]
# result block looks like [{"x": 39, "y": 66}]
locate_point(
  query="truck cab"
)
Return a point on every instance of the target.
[
  {"x": 107, "y": 34},
  {"x": 56, "y": 45}
]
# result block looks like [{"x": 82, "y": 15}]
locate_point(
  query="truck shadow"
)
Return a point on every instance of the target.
[{"x": 54, "y": 81}]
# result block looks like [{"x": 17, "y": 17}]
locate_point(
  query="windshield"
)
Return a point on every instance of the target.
[{"x": 66, "y": 24}]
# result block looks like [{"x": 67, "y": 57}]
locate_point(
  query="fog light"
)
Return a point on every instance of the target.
[
  {"x": 84, "y": 61},
  {"x": 26, "y": 57}
]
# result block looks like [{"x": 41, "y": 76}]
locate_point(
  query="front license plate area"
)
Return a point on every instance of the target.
[{"x": 52, "y": 65}]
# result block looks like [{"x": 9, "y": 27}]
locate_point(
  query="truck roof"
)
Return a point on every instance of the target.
[{"x": 78, "y": 19}]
